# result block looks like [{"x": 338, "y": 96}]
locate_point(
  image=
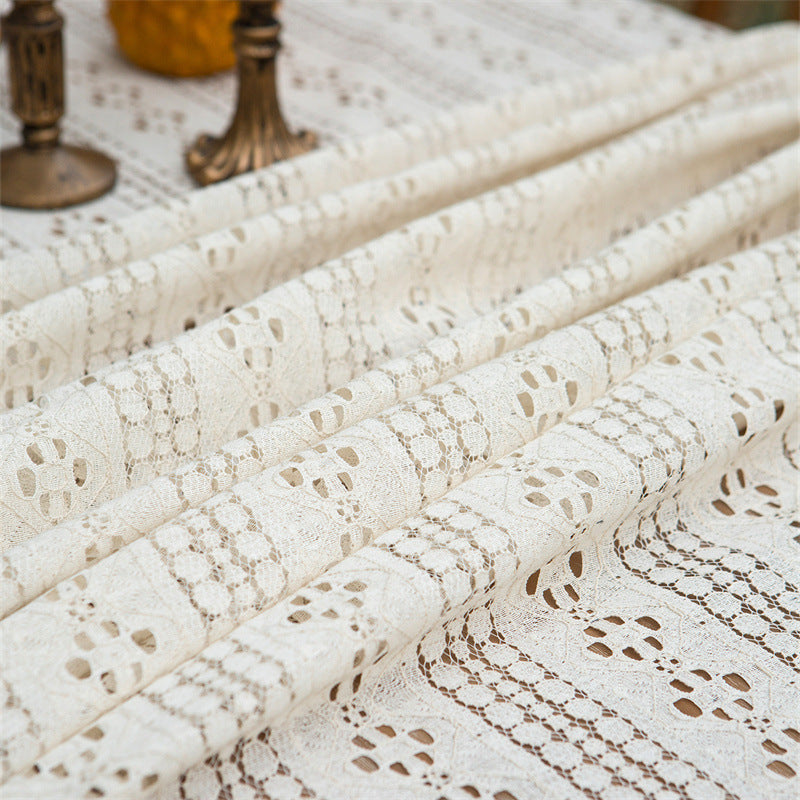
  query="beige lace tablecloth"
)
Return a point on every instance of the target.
[{"x": 454, "y": 461}]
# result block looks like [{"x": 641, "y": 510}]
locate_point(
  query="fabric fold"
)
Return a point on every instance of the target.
[
  {"x": 628, "y": 449},
  {"x": 83, "y": 328},
  {"x": 242, "y": 551},
  {"x": 757, "y": 202},
  {"x": 162, "y": 407},
  {"x": 34, "y": 275}
]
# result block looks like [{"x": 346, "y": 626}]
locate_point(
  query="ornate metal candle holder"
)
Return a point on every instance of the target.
[
  {"x": 258, "y": 135},
  {"x": 42, "y": 172}
]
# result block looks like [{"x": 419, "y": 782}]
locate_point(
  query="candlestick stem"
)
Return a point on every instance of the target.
[
  {"x": 257, "y": 135},
  {"x": 42, "y": 173}
]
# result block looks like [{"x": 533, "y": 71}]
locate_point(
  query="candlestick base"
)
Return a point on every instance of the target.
[
  {"x": 53, "y": 177},
  {"x": 214, "y": 158}
]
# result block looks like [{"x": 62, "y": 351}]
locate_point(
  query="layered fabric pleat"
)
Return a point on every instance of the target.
[
  {"x": 143, "y": 416},
  {"x": 153, "y": 300},
  {"x": 31, "y": 276},
  {"x": 319, "y": 430},
  {"x": 761, "y": 198}
]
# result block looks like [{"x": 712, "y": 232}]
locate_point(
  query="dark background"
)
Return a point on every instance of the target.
[{"x": 739, "y": 14}]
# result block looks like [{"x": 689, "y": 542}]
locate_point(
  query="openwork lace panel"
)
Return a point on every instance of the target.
[{"x": 457, "y": 462}]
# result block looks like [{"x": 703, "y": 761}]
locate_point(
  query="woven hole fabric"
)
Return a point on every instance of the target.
[{"x": 467, "y": 469}]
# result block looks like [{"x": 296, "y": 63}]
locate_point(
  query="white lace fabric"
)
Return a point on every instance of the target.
[{"x": 457, "y": 462}]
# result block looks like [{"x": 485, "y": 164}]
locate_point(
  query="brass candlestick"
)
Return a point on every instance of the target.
[
  {"x": 42, "y": 172},
  {"x": 258, "y": 135}
]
